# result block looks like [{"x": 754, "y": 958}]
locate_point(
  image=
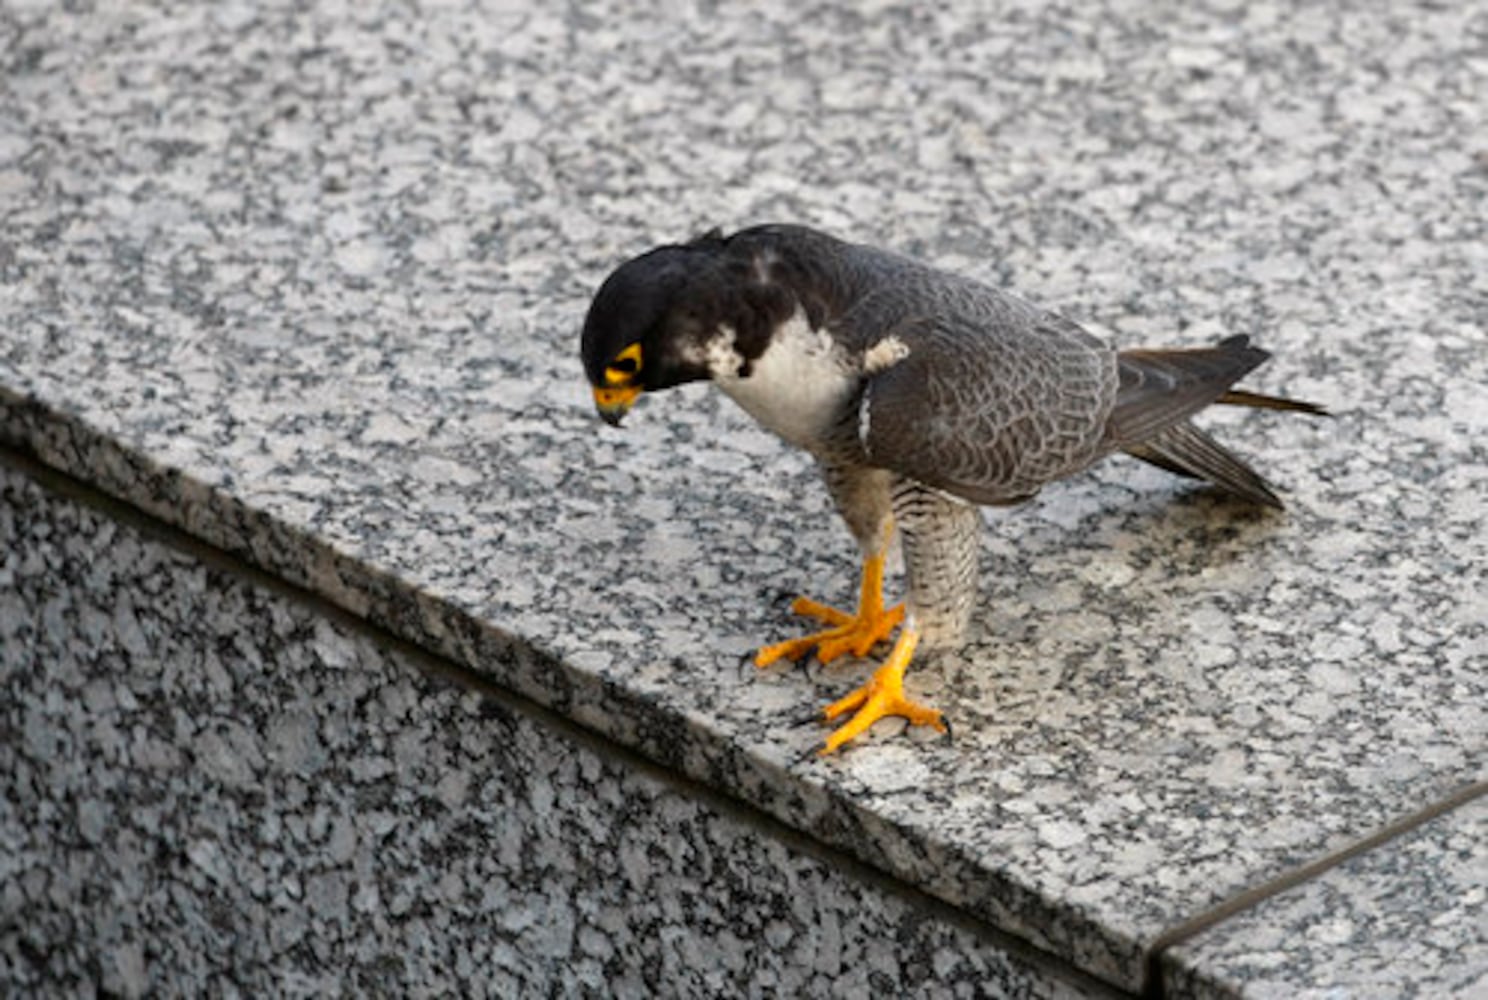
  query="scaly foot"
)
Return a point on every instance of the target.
[
  {"x": 854, "y": 633},
  {"x": 882, "y": 696}
]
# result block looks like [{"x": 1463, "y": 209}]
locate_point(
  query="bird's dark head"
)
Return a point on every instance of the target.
[{"x": 642, "y": 329}]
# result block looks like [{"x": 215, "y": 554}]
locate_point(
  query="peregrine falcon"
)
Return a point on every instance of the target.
[{"x": 921, "y": 395}]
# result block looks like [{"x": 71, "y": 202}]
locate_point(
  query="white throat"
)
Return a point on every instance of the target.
[{"x": 797, "y": 388}]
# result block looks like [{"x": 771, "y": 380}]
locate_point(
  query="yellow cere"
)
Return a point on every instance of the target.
[{"x": 616, "y": 396}]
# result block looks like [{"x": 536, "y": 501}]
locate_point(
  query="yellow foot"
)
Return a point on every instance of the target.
[
  {"x": 882, "y": 696},
  {"x": 856, "y": 633}
]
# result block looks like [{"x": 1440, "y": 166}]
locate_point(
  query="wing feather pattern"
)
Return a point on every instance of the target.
[
  {"x": 990, "y": 415},
  {"x": 991, "y": 397}
]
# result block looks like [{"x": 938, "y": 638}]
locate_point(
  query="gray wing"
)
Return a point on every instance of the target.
[
  {"x": 989, "y": 398},
  {"x": 1160, "y": 390}
]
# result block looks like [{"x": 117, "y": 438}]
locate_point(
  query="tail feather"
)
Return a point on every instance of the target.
[
  {"x": 1259, "y": 401},
  {"x": 1188, "y": 451},
  {"x": 1160, "y": 390}
]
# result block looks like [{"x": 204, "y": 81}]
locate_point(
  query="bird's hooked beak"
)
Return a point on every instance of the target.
[{"x": 614, "y": 402}]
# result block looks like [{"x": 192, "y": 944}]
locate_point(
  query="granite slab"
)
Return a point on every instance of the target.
[
  {"x": 216, "y": 789},
  {"x": 307, "y": 283},
  {"x": 1408, "y": 919}
]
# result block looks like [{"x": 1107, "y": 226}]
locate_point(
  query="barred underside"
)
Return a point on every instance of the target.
[{"x": 941, "y": 539}]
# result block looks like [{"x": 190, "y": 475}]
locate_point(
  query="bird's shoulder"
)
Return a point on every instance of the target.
[
  {"x": 960, "y": 317},
  {"x": 866, "y": 296}
]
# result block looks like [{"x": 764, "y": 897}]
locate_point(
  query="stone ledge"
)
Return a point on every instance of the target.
[
  {"x": 213, "y": 788},
  {"x": 306, "y": 285}
]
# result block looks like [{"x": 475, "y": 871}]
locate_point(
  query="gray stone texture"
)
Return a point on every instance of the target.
[
  {"x": 307, "y": 282},
  {"x": 212, "y": 789},
  {"x": 1408, "y": 919}
]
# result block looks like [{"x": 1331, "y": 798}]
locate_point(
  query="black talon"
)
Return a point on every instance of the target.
[
  {"x": 950, "y": 733},
  {"x": 812, "y": 753}
]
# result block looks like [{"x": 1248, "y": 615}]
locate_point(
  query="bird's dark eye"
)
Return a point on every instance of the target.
[{"x": 624, "y": 365}]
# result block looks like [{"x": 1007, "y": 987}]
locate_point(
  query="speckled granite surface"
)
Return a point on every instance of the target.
[
  {"x": 211, "y": 789},
  {"x": 308, "y": 284},
  {"x": 1409, "y": 919}
]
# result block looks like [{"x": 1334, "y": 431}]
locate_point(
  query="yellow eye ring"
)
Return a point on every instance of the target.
[{"x": 625, "y": 366}]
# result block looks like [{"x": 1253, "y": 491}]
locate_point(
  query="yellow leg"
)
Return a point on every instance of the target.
[
  {"x": 882, "y": 696},
  {"x": 855, "y": 633}
]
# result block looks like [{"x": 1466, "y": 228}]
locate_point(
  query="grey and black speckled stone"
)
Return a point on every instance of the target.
[
  {"x": 306, "y": 282},
  {"x": 213, "y": 790},
  {"x": 1408, "y": 919}
]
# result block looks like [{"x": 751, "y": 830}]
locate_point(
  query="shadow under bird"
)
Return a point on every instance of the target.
[{"x": 921, "y": 395}]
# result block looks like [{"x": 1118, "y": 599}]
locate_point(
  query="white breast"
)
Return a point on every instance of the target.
[{"x": 796, "y": 388}]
